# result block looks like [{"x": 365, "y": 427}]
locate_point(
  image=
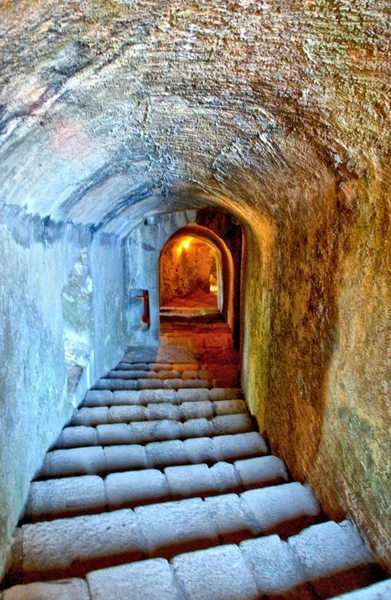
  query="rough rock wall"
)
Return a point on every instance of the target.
[
  {"x": 184, "y": 270},
  {"x": 34, "y": 399}
]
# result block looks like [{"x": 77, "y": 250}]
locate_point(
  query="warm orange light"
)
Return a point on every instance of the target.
[{"x": 186, "y": 245}]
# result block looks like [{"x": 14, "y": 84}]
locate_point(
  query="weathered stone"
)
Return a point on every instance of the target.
[
  {"x": 216, "y": 574},
  {"x": 73, "y": 545},
  {"x": 260, "y": 471},
  {"x": 136, "y": 487},
  {"x": 177, "y": 527},
  {"x": 63, "y": 589},
  {"x": 275, "y": 567},
  {"x": 229, "y": 447},
  {"x": 125, "y": 458},
  {"x": 74, "y": 461},
  {"x": 161, "y": 454},
  {"x": 190, "y": 480},
  {"x": 282, "y": 508},
  {"x": 98, "y": 398},
  {"x": 147, "y": 579},
  {"x": 71, "y": 495},
  {"x": 72, "y": 437}
]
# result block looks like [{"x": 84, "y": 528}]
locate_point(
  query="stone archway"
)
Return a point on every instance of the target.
[{"x": 180, "y": 252}]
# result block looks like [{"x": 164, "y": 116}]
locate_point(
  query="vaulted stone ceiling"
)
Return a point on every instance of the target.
[{"x": 111, "y": 110}]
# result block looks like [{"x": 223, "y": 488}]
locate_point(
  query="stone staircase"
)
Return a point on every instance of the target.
[{"x": 160, "y": 488}]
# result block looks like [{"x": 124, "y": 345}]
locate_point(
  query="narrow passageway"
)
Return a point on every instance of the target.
[{"x": 161, "y": 488}]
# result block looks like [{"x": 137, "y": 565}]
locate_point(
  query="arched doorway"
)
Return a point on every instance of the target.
[{"x": 196, "y": 275}]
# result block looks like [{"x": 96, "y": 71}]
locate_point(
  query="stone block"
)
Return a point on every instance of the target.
[
  {"x": 175, "y": 527},
  {"x": 145, "y": 580},
  {"x": 172, "y": 452},
  {"x": 197, "y": 410},
  {"x": 126, "y": 397},
  {"x": 74, "y": 437},
  {"x": 167, "y": 430},
  {"x": 98, "y": 398},
  {"x": 225, "y": 394},
  {"x": 334, "y": 557},
  {"x": 229, "y": 447},
  {"x": 283, "y": 508},
  {"x": 158, "y": 396},
  {"x": 116, "y": 433},
  {"x": 193, "y": 395},
  {"x": 234, "y": 523},
  {"x": 164, "y": 411},
  {"x": 128, "y": 374},
  {"x": 190, "y": 480},
  {"x": 90, "y": 416},
  {"x": 274, "y": 565},
  {"x": 75, "y": 461},
  {"x": 136, "y": 487},
  {"x": 377, "y": 591},
  {"x": 63, "y": 589},
  {"x": 216, "y": 574},
  {"x": 225, "y": 478},
  {"x": 78, "y": 544},
  {"x": 197, "y": 428},
  {"x": 132, "y": 366},
  {"x": 126, "y": 414},
  {"x": 226, "y": 424},
  {"x": 115, "y": 384},
  {"x": 125, "y": 458},
  {"x": 261, "y": 471},
  {"x": 229, "y": 407},
  {"x": 200, "y": 450},
  {"x": 168, "y": 374},
  {"x": 70, "y": 495}
]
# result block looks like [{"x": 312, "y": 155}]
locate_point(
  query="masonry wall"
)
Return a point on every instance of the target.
[
  {"x": 317, "y": 330},
  {"x": 34, "y": 399}
]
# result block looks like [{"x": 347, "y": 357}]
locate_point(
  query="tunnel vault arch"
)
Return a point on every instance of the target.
[{"x": 224, "y": 259}]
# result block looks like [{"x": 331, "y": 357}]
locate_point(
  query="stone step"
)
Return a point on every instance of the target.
[
  {"x": 98, "y": 398},
  {"x": 266, "y": 567},
  {"x": 97, "y": 460},
  {"x": 56, "y": 498},
  {"x": 376, "y": 591},
  {"x": 178, "y": 412},
  {"x": 114, "y": 384},
  {"x": 72, "y": 547},
  {"x": 142, "y": 432}
]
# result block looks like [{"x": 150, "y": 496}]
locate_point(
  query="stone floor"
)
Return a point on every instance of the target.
[
  {"x": 196, "y": 303},
  {"x": 161, "y": 488}
]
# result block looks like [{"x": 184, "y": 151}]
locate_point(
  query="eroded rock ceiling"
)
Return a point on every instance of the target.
[{"x": 112, "y": 110}]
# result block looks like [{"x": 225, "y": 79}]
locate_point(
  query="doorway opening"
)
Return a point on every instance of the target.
[{"x": 191, "y": 278}]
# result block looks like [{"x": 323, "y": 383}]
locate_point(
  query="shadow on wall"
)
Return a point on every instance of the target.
[{"x": 76, "y": 298}]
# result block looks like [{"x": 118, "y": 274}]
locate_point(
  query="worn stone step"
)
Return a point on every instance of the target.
[
  {"x": 74, "y": 546},
  {"x": 151, "y": 431},
  {"x": 108, "y": 398},
  {"x": 127, "y": 413},
  {"x": 264, "y": 567},
  {"x": 376, "y": 591},
  {"x": 93, "y": 460},
  {"x": 89, "y": 493},
  {"x": 335, "y": 558},
  {"x": 114, "y": 384}
]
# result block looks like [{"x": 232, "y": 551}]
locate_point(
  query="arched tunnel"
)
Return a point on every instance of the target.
[{"x": 122, "y": 123}]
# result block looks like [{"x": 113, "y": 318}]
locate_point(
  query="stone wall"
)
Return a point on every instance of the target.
[{"x": 37, "y": 396}]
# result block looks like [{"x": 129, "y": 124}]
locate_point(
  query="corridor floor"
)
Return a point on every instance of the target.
[
  {"x": 161, "y": 488},
  {"x": 195, "y": 303}
]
